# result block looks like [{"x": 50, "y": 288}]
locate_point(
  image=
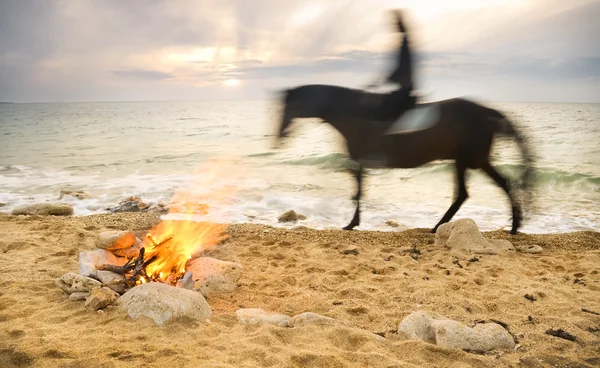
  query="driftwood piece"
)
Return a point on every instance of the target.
[
  {"x": 138, "y": 268},
  {"x": 561, "y": 334},
  {"x": 121, "y": 270},
  {"x": 590, "y": 311}
]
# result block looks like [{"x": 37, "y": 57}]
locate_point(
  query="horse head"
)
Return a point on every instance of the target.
[{"x": 286, "y": 115}]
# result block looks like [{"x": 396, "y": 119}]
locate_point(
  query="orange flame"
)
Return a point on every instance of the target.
[{"x": 173, "y": 242}]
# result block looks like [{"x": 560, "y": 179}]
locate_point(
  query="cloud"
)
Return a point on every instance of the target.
[
  {"x": 353, "y": 61},
  {"x": 570, "y": 33},
  {"x": 58, "y": 49},
  {"x": 514, "y": 67},
  {"x": 142, "y": 74}
]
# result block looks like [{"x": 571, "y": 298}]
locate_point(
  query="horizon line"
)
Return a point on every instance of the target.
[{"x": 267, "y": 99}]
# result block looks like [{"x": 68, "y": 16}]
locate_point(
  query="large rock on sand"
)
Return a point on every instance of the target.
[
  {"x": 163, "y": 303},
  {"x": 90, "y": 261},
  {"x": 100, "y": 297},
  {"x": 131, "y": 252},
  {"x": 211, "y": 275},
  {"x": 463, "y": 235},
  {"x": 72, "y": 282},
  {"x": 45, "y": 209},
  {"x": 253, "y": 316},
  {"x": 115, "y": 239},
  {"x": 111, "y": 280},
  {"x": 437, "y": 329}
]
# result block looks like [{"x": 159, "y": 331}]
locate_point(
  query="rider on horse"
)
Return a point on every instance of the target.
[
  {"x": 401, "y": 99},
  {"x": 394, "y": 104}
]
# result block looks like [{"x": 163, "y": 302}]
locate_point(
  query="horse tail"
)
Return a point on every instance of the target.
[{"x": 505, "y": 127}]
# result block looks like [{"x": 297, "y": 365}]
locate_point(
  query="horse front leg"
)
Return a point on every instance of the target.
[
  {"x": 358, "y": 175},
  {"x": 460, "y": 196}
]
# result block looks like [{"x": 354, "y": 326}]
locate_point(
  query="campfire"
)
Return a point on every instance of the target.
[
  {"x": 169, "y": 246},
  {"x": 166, "y": 250},
  {"x": 167, "y": 258}
]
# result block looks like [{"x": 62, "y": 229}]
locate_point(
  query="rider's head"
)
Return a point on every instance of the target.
[{"x": 397, "y": 19}]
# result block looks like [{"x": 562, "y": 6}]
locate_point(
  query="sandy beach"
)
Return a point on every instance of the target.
[{"x": 366, "y": 280}]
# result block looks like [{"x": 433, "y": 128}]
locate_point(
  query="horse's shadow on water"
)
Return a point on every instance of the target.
[{"x": 464, "y": 132}]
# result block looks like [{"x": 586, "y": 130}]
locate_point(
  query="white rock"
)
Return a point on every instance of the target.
[
  {"x": 530, "y": 248},
  {"x": 131, "y": 252},
  {"x": 72, "y": 282},
  {"x": 100, "y": 297},
  {"x": 417, "y": 325},
  {"x": 502, "y": 245},
  {"x": 211, "y": 275},
  {"x": 89, "y": 261},
  {"x": 114, "y": 239},
  {"x": 482, "y": 337},
  {"x": 163, "y": 303},
  {"x": 463, "y": 235},
  {"x": 78, "y": 295},
  {"x": 310, "y": 318},
  {"x": 45, "y": 209},
  {"x": 112, "y": 280},
  {"x": 437, "y": 329},
  {"x": 254, "y": 316}
]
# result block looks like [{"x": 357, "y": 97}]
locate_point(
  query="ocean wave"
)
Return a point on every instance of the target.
[
  {"x": 555, "y": 177},
  {"x": 173, "y": 157},
  {"x": 332, "y": 161},
  {"x": 262, "y": 154},
  {"x": 542, "y": 176},
  {"x": 17, "y": 168}
]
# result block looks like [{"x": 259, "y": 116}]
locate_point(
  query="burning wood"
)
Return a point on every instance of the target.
[
  {"x": 135, "y": 269},
  {"x": 166, "y": 252}
]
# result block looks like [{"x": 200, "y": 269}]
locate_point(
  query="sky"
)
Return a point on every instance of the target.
[{"x": 150, "y": 50}]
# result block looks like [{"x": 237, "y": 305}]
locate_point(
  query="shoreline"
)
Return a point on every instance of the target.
[
  {"x": 367, "y": 280},
  {"x": 145, "y": 219}
]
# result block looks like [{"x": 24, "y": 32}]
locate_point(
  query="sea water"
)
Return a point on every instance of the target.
[{"x": 157, "y": 149}]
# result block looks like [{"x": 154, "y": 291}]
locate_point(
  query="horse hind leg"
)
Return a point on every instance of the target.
[
  {"x": 460, "y": 197},
  {"x": 358, "y": 175},
  {"x": 503, "y": 183}
]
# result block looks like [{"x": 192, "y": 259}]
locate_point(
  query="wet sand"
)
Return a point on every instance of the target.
[{"x": 367, "y": 280}]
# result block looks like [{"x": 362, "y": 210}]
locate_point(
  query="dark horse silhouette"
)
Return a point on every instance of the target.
[{"x": 464, "y": 133}]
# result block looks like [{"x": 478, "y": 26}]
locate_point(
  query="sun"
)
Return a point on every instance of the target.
[{"x": 231, "y": 82}]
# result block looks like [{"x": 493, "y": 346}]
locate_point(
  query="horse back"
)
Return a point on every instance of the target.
[{"x": 463, "y": 130}]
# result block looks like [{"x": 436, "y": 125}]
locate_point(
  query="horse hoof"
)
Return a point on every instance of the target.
[
  {"x": 513, "y": 232},
  {"x": 349, "y": 227},
  {"x": 433, "y": 230}
]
